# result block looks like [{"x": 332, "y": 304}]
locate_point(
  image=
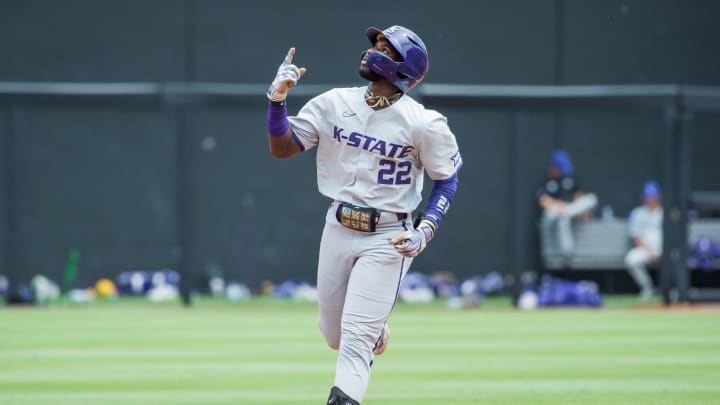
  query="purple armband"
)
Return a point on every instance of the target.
[
  {"x": 277, "y": 122},
  {"x": 441, "y": 196}
]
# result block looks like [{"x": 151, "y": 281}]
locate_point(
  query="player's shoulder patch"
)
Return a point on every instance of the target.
[{"x": 457, "y": 160}]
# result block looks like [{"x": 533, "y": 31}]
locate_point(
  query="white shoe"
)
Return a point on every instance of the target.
[{"x": 383, "y": 342}]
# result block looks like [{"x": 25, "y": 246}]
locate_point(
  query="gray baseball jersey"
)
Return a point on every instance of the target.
[{"x": 375, "y": 158}]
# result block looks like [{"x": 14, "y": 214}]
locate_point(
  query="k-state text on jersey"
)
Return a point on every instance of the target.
[{"x": 372, "y": 144}]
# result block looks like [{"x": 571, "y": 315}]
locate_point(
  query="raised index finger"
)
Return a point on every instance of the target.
[{"x": 290, "y": 55}]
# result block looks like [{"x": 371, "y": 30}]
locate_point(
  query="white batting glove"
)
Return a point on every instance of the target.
[
  {"x": 412, "y": 243},
  {"x": 286, "y": 77}
]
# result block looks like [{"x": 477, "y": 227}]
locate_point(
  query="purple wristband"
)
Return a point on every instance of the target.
[{"x": 277, "y": 122}]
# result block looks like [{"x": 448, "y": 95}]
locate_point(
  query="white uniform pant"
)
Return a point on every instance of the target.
[
  {"x": 557, "y": 226},
  {"x": 636, "y": 261},
  {"x": 358, "y": 279}
]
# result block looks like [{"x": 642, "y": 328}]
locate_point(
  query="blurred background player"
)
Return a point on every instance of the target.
[
  {"x": 562, "y": 200},
  {"x": 373, "y": 144},
  {"x": 645, "y": 228}
]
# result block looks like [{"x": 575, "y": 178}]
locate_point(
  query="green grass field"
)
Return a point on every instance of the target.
[{"x": 269, "y": 352}]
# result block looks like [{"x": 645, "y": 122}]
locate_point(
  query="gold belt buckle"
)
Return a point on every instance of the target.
[{"x": 357, "y": 218}]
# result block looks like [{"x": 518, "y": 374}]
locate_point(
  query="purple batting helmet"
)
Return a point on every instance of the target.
[{"x": 407, "y": 73}]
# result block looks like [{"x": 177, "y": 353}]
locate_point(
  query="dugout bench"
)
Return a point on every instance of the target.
[{"x": 602, "y": 244}]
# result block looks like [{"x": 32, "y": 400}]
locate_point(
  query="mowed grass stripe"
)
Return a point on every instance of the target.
[{"x": 273, "y": 353}]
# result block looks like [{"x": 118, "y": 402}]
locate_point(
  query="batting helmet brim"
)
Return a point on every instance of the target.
[{"x": 372, "y": 34}]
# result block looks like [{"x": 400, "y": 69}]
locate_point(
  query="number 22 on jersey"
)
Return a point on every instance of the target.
[{"x": 392, "y": 172}]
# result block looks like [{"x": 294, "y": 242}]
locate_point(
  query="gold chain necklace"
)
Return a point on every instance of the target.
[{"x": 381, "y": 101}]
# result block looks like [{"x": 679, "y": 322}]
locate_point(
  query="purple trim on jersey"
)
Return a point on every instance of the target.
[
  {"x": 441, "y": 196},
  {"x": 297, "y": 141},
  {"x": 397, "y": 290},
  {"x": 402, "y": 265},
  {"x": 378, "y": 340},
  {"x": 397, "y": 293},
  {"x": 277, "y": 122}
]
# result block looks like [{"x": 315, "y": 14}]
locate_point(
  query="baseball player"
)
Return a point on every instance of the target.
[
  {"x": 645, "y": 229},
  {"x": 373, "y": 144},
  {"x": 562, "y": 200}
]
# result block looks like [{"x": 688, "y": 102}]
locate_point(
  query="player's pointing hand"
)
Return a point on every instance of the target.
[{"x": 287, "y": 76}]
